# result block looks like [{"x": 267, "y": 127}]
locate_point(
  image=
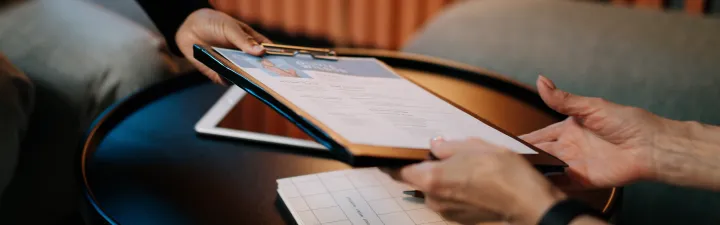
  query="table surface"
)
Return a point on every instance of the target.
[{"x": 143, "y": 163}]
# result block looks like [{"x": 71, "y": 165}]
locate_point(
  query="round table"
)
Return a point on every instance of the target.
[{"x": 143, "y": 163}]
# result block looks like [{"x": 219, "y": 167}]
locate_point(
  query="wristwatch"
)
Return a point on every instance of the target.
[{"x": 565, "y": 211}]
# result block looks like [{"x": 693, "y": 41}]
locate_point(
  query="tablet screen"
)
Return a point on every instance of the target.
[{"x": 250, "y": 114}]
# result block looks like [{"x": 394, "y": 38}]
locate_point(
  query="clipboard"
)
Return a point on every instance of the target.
[{"x": 357, "y": 155}]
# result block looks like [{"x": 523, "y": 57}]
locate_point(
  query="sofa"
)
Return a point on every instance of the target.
[{"x": 662, "y": 61}]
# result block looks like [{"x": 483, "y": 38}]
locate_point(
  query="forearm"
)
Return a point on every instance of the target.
[
  {"x": 16, "y": 97},
  {"x": 169, "y": 15},
  {"x": 689, "y": 155}
]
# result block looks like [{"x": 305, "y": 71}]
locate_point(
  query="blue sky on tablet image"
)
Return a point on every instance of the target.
[
  {"x": 353, "y": 67},
  {"x": 283, "y": 66},
  {"x": 272, "y": 65}
]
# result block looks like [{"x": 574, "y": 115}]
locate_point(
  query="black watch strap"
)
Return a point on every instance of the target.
[{"x": 565, "y": 211}]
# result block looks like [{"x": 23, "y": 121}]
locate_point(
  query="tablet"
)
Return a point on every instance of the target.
[{"x": 237, "y": 115}]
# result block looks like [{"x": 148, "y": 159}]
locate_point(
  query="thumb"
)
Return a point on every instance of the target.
[
  {"x": 236, "y": 35},
  {"x": 567, "y": 103},
  {"x": 443, "y": 149}
]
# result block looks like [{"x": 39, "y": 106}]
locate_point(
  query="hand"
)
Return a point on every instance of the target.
[
  {"x": 214, "y": 28},
  {"x": 475, "y": 181},
  {"x": 604, "y": 144}
]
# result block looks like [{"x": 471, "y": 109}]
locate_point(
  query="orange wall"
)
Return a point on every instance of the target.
[
  {"x": 383, "y": 24},
  {"x": 367, "y": 23}
]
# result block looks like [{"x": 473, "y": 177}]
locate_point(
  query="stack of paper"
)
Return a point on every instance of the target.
[{"x": 353, "y": 197}]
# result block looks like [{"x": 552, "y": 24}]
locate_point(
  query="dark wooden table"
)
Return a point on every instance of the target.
[{"x": 143, "y": 163}]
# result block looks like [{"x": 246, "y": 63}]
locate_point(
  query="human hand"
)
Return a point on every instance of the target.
[
  {"x": 475, "y": 182},
  {"x": 214, "y": 28},
  {"x": 604, "y": 144}
]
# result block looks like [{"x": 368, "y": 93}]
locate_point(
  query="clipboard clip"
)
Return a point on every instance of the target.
[{"x": 289, "y": 50}]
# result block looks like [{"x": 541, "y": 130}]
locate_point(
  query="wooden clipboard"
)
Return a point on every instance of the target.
[{"x": 358, "y": 155}]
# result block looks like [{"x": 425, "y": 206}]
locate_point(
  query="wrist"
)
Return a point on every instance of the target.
[
  {"x": 686, "y": 154},
  {"x": 531, "y": 212},
  {"x": 672, "y": 134},
  {"x": 587, "y": 220},
  {"x": 571, "y": 212}
]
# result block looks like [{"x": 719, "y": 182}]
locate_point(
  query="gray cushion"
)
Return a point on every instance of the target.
[
  {"x": 128, "y": 9},
  {"x": 668, "y": 63},
  {"x": 80, "y": 58}
]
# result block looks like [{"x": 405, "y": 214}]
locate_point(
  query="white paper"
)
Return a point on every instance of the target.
[
  {"x": 366, "y": 102},
  {"x": 371, "y": 205}
]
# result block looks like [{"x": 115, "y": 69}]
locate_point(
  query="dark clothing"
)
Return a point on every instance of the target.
[{"x": 169, "y": 15}]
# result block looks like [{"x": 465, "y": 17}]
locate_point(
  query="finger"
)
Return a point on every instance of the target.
[
  {"x": 393, "y": 172},
  {"x": 238, "y": 37},
  {"x": 437, "y": 141},
  {"x": 211, "y": 74},
  {"x": 549, "y": 133},
  {"x": 566, "y": 103},
  {"x": 418, "y": 175},
  {"x": 556, "y": 149},
  {"x": 581, "y": 179},
  {"x": 481, "y": 217},
  {"x": 446, "y": 149},
  {"x": 258, "y": 37},
  {"x": 460, "y": 212}
]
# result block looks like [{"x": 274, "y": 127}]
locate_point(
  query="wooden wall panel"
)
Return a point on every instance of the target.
[
  {"x": 294, "y": 16},
  {"x": 361, "y": 20},
  {"x": 317, "y": 16},
  {"x": 339, "y": 32},
  {"x": 411, "y": 18},
  {"x": 658, "y": 4},
  {"x": 695, "y": 6},
  {"x": 386, "y": 24},
  {"x": 270, "y": 13}
]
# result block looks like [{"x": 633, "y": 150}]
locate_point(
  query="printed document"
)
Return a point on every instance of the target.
[
  {"x": 366, "y": 102},
  {"x": 353, "y": 197}
]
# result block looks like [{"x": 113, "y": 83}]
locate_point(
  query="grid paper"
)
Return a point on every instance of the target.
[{"x": 364, "y": 196}]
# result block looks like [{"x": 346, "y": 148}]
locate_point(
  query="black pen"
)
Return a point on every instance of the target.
[{"x": 415, "y": 193}]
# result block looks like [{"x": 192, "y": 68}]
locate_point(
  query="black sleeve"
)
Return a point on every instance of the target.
[{"x": 168, "y": 15}]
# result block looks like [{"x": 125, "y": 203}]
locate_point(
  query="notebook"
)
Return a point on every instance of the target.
[{"x": 364, "y": 196}]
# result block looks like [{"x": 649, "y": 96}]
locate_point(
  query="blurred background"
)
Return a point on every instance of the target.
[{"x": 385, "y": 24}]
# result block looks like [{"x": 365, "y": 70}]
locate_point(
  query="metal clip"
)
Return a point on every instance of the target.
[{"x": 289, "y": 50}]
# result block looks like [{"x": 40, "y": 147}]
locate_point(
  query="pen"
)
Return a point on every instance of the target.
[{"x": 415, "y": 193}]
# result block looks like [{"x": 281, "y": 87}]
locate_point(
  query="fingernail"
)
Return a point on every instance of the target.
[
  {"x": 258, "y": 48},
  {"x": 436, "y": 141},
  {"x": 548, "y": 82}
]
